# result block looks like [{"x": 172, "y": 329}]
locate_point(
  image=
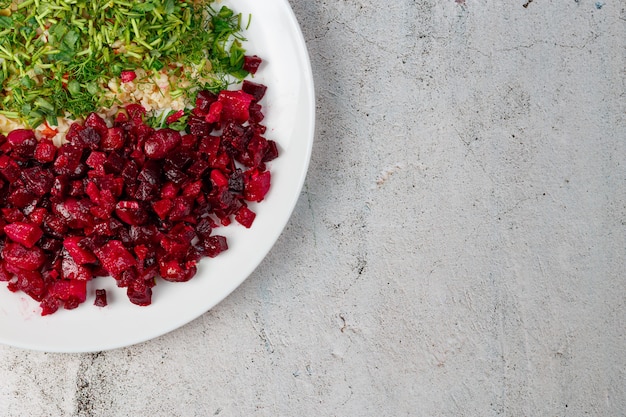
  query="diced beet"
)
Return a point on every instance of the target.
[
  {"x": 113, "y": 140},
  {"x": 174, "y": 117},
  {"x": 192, "y": 189},
  {"x": 67, "y": 290},
  {"x": 198, "y": 168},
  {"x": 22, "y": 198},
  {"x": 5, "y": 275},
  {"x": 74, "y": 212},
  {"x": 218, "y": 178},
  {"x": 204, "y": 228},
  {"x": 96, "y": 160},
  {"x": 214, "y": 245},
  {"x": 73, "y": 131},
  {"x": 204, "y": 99},
  {"x": 173, "y": 271},
  {"x": 256, "y": 113},
  {"x": 9, "y": 169},
  {"x": 101, "y": 298},
  {"x": 131, "y": 212},
  {"x": 96, "y": 122},
  {"x": 189, "y": 142},
  {"x": 169, "y": 190},
  {"x": 183, "y": 232},
  {"x": 251, "y": 63},
  {"x": 177, "y": 176},
  {"x": 235, "y": 181},
  {"x": 245, "y": 216},
  {"x": 12, "y": 215},
  {"x": 198, "y": 126},
  {"x": 256, "y": 185},
  {"x": 254, "y": 153},
  {"x": 162, "y": 208},
  {"x": 37, "y": 215},
  {"x": 129, "y": 201},
  {"x": 51, "y": 245},
  {"x": 25, "y": 233},
  {"x": 215, "y": 112},
  {"x": 272, "y": 151},
  {"x": 115, "y": 258},
  {"x": 29, "y": 259},
  {"x": 37, "y": 180},
  {"x": 68, "y": 161},
  {"x": 74, "y": 271},
  {"x": 54, "y": 226},
  {"x": 80, "y": 254},
  {"x": 23, "y": 142},
  {"x": 128, "y": 76},
  {"x": 256, "y": 90},
  {"x": 235, "y": 105},
  {"x": 136, "y": 113},
  {"x": 45, "y": 150},
  {"x": 235, "y": 138},
  {"x": 49, "y": 305},
  {"x": 139, "y": 293},
  {"x": 19, "y": 136},
  {"x": 161, "y": 143},
  {"x": 181, "y": 208},
  {"x": 130, "y": 172},
  {"x": 89, "y": 137},
  {"x": 31, "y": 282}
]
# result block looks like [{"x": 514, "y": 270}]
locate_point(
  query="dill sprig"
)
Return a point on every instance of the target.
[{"x": 56, "y": 56}]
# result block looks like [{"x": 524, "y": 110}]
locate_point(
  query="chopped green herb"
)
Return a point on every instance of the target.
[{"x": 57, "y": 56}]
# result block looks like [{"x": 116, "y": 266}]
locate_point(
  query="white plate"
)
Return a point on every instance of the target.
[{"x": 289, "y": 106}]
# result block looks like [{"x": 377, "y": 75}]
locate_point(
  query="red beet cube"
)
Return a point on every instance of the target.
[
  {"x": 245, "y": 216},
  {"x": 5, "y": 275},
  {"x": 45, "y": 151},
  {"x": 251, "y": 63},
  {"x": 101, "y": 298},
  {"x": 136, "y": 113},
  {"x": 235, "y": 106},
  {"x": 128, "y": 76},
  {"x": 254, "y": 89},
  {"x": 25, "y": 233},
  {"x": 115, "y": 258},
  {"x": 162, "y": 208},
  {"x": 23, "y": 149},
  {"x": 98, "y": 124},
  {"x": 204, "y": 99},
  {"x": 174, "y": 117},
  {"x": 173, "y": 271},
  {"x": 256, "y": 185},
  {"x": 73, "y": 271},
  {"x": 18, "y": 137},
  {"x": 22, "y": 257},
  {"x": 215, "y": 112},
  {"x": 139, "y": 292},
  {"x": 214, "y": 245},
  {"x": 31, "y": 282},
  {"x": 113, "y": 140},
  {"x": 79, "y": 253},
  {"x": 218, "y": 178},
  {"x": 161, "y": 143},
  {"x": 66, "y": 290}
]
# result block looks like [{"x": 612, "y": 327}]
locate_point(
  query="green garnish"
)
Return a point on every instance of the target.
[{"x": 57, "y": 56}]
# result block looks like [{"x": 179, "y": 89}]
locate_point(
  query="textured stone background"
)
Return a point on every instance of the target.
[{"x": 458, "y": 249}]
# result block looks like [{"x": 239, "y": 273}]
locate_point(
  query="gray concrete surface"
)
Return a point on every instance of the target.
[{"x": 458, "y": 249}]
